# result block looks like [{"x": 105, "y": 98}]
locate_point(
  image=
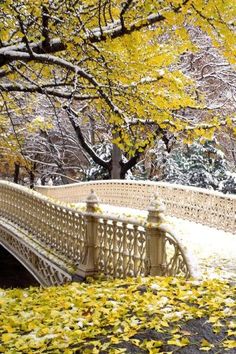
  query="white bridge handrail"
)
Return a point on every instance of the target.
[{"x": 207, "y": 207}]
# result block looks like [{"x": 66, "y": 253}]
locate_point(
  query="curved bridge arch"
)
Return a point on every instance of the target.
[
  {"x": 44, "y": 271},
  {"x": 23, "y": 261}
]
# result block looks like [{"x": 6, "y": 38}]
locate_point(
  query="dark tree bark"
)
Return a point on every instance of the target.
[
  {"x": 43, "y": 181},
  {"x": 116, "y": 168},
  {"x": 16, "y": 173},
  {"x": 32, "y": 175},
  {"x": 116, "y": 163}
]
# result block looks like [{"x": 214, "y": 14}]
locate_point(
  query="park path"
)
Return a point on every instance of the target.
[{"x": 215, "y": 250}]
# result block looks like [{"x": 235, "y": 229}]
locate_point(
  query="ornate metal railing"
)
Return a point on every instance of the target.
[
  {"x": 207, "y": 207},
  {"x": 58, "y": 243}
]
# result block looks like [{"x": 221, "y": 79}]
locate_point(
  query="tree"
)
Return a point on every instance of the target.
[
  {"x": 53, "y": 146},
  {"x": 200, "y": 165},
  {"x": 11, "y": 150},
  {"x": 119, "y": 56}
]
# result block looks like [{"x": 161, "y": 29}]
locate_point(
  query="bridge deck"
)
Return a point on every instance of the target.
[{"x": 214, "y": 249}]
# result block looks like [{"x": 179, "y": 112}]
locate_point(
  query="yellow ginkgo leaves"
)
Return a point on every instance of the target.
[{"x": 117, "y": 316}]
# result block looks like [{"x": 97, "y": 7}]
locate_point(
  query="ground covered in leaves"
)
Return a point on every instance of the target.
[{"x": 144, "y": 315}]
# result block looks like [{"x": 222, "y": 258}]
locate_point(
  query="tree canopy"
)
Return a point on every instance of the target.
[{"x": 118, "y": 57}]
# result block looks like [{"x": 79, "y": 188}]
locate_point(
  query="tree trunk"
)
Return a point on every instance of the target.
[
  {"x": 16, "y": 173},
  {"x": 92, "y": 130},
  {"x": 31, "y": 176},
  {"x": 116, "y": 168},
  {"x": 43, "y": 181},
  {"x": 116, "y": 163}
]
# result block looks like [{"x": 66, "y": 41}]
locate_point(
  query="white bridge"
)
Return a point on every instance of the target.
[{"x": 58, "y": 242}]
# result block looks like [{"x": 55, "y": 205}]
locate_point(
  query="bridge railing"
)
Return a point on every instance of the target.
[
  {"x": 207, "y": 207},
  {"x": 95, "y": 243},
  {"x": 57, "y": 228}
]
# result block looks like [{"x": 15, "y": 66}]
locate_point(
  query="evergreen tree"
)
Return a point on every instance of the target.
[{"x": 200, "y": 165}]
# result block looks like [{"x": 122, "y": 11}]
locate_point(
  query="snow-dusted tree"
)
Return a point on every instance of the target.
[
  {"x": 228, "y": 185},
  {"x": 201, "y": 165},
  {"x": 215, "y": 80},
  {"x": 120, "y": 57}
]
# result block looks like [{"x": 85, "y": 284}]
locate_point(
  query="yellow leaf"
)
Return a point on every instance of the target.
[
  {"x": 9, "y": 329},
  {"x": 213, "y": 319},
  {"x": 178, "y": 342},
  {"x": 229, "y": 343},
  {"x": 205, "y": 345},
  {"x": 6, "y": 337}
]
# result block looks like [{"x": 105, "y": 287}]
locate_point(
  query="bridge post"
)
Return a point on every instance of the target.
[
  {"x": 155, "y": 237},
  {"x": 88, "y": 264}
]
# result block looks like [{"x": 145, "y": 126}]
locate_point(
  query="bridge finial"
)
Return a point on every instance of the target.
[
  {"x": 156, "y": 209},
  {"x": 92, "y": 201}
]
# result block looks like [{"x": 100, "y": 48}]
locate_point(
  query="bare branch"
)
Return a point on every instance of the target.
[
  {"x": 86, "y": 146},
  {"x": 44, "y": 90}
]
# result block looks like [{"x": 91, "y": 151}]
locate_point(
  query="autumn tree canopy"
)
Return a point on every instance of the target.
[{"x": 120, "y": 58}]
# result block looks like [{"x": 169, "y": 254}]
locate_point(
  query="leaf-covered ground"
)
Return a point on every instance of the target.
[{"x": 144, "y": 315}]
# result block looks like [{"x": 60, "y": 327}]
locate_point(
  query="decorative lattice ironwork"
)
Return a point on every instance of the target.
[
  {"x": 195, "y": 204},
  {"x": 176, "y": 260},
  {"x": 121, "y": 248},
  {"x": 38, "y": 265},
  {"x": 60, "y": 229}
]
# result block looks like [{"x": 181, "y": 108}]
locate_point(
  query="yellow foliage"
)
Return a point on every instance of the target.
[
  {"x": 134, "y": 74},
  {"x": 104, "y": 315}
]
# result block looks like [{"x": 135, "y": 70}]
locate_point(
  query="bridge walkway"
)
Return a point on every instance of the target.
[{"x": 214, "y": 249}]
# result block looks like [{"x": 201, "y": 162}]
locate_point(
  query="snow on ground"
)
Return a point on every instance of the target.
[{"x": 215, "y": 250}]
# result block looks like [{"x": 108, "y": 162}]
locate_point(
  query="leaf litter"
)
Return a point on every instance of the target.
[{"x": 142, "y": 315}]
